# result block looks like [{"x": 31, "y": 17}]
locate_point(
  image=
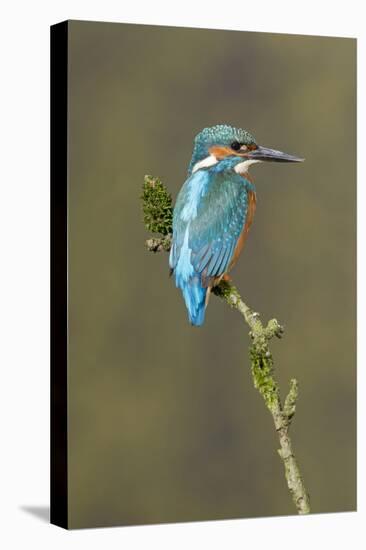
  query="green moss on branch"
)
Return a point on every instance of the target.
[{"x": 157, "y": 206}]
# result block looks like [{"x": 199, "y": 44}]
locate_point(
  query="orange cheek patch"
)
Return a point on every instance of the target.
[
  {"x": 252, "y": 147},
  {"x": 221, "y": 152}
]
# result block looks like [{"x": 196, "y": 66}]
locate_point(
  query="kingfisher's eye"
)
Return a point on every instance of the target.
[{"x": 235, "y": 145}]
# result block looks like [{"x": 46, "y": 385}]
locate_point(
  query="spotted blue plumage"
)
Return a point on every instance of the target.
[{"x": 209, "y": 216}]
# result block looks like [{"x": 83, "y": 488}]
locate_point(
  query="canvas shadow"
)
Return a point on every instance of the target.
[{"x": 40, "y": 512}]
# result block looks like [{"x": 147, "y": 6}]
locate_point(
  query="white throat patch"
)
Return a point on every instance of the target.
[
  {"x": 211, "y": 160},
  {"x": 242, "y": 167}
]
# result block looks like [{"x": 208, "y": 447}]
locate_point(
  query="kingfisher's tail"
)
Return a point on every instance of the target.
[{"x": 195, "y": 298}]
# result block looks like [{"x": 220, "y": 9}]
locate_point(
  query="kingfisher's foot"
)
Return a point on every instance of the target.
[{"x": 226, "y": 278}]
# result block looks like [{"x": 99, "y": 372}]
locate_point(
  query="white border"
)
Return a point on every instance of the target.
[{"x": 24, "y": 272}]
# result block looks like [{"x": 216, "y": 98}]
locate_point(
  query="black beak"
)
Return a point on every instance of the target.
[{"x": 263, "y": 153}]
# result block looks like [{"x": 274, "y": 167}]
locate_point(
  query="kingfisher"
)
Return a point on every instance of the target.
[{"x": 214, "y": 211}]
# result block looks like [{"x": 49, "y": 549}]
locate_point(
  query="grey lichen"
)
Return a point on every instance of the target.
[
  {"x": 158, "y": 216},
  {"x": 160, "y": 244},
  {"x": 289, "y": 407}
]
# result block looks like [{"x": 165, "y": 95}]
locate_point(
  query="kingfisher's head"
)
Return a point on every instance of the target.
[{"x": 223, "y": 142}]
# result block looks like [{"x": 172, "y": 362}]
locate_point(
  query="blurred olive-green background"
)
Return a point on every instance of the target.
[{"x": 164, "y": 422}]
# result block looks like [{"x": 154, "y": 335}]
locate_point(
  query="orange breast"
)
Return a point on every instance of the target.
[{"x": 252, "y": 200}]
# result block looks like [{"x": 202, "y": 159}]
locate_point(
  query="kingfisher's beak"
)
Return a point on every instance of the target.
[{"x": 265, "y": 154}]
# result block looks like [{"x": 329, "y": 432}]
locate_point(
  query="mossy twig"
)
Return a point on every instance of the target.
[{"x": 158, "y": 216}]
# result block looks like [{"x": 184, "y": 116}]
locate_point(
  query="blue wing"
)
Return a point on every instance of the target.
[{"x": 209, "y": 216}]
